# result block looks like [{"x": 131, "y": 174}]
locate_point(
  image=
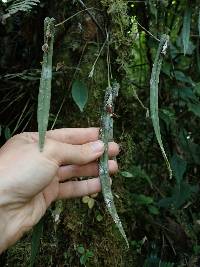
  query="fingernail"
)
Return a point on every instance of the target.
[{"x": 98, "y": 146}]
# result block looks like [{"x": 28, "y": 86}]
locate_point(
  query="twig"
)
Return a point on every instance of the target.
[
  {"x": 94, "y": 64},
  {"x": 141, "y": 104},
  {"x": 91, "y": 15},
  {"x": 148, "y": 32},
  {"x": 61, "y": 23}
]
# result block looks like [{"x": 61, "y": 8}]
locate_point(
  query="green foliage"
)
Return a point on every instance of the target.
[
  {"x": 89, "y": 201},
  {"x": 179, "y": 167},
  {"x": 147, "y": 202},
  {"x": 182, "y": 192},
  {"x": 14, "y": 6},
  {"x": 79, "y": 94},
  {"x": 154, "y": 261},
  {"x": 85, "y": 254},
  {"x": 180, "y": 195}
]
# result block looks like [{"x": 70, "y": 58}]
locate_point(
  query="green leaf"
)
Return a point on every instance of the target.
[
  {"x": 89, "y": 254},
  {"x": 180, "y": 76},
  {"x": 194, "y": 108},
  {"x": 83, "y": 259},
  {"x": 165, "y": 202},
  {"x": 186, "y": 29},
  {"x": 19, "y": 5},
  {"x": 91, "y": 203},
  {"x": 126, "y": 174},
  {"x": 180, "y": 194},
  {"x": 44, "y": 96},
  {"x": 191, "y": 149},
  {"x": 35, "y": 242},
  {"x": 197, "y": 89},
  {"x": 154, "y": 261},
  {"x": 81, "y": 249},
  {"x": 186, "y": 94},
  {"x": 198, "y": 56},
  {"x": 154, "y": 94},
  {"x": 168, "y": 116},
  {"x": 85, "y": 199},
  {"x": 99, "y": 218},
  {"x": 143, "y": 200},
  {"x": 7, "y": 133},
  {"x": 139, "y": 174},
  {"x": 153, "y": 210},
  {"x": 79, "y": 94},
  {"x": 179, "y": 167},
  {"x": 183, "y": 193}
]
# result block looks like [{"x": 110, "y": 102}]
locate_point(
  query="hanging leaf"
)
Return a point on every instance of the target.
[
  {"x": 154, "y": 94},
  {"x": 79, "y": 94},
  {"x": 44, "y": 97},
  {"x": 35, "y": 242},
  {"x": 186, "y": 29},
  {"x": 179, "y": 167},
  {"x": 106, "y": 135}
]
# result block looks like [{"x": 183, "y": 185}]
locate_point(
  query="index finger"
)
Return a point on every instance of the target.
[{"x": 74, "y": 136}]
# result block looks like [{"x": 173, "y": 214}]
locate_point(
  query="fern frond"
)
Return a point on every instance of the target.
[{"x": 20, "y": 5}]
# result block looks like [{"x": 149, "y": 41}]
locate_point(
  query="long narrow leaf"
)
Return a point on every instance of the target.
[
  {"x": 44, "y": 97},
  {"x": 106, "y": 135},
  {"x": 154, "y": 94},
  {"x": 186, "y": 29}
]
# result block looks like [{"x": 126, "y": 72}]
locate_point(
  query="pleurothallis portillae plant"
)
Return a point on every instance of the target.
[{"x": 146, "y": 182}]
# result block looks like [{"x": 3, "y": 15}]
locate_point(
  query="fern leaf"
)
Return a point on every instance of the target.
[{"x": 19, "y": 5}]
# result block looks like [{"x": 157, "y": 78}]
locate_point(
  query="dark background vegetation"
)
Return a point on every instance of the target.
[{"x": 161, "y": 217}]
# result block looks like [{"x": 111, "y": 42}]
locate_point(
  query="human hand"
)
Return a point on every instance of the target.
[{"x": 31, "y": 180}]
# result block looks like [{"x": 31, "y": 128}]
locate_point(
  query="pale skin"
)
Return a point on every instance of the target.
[{"x": 30, "y": 180}]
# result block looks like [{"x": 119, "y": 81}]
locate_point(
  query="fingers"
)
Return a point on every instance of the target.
[
  {"x": 77, "y": 154},
  {"x": 74, "y": 136},
  {"x": 91, "y": 169},
  {"x": 73, "y": 189}
]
